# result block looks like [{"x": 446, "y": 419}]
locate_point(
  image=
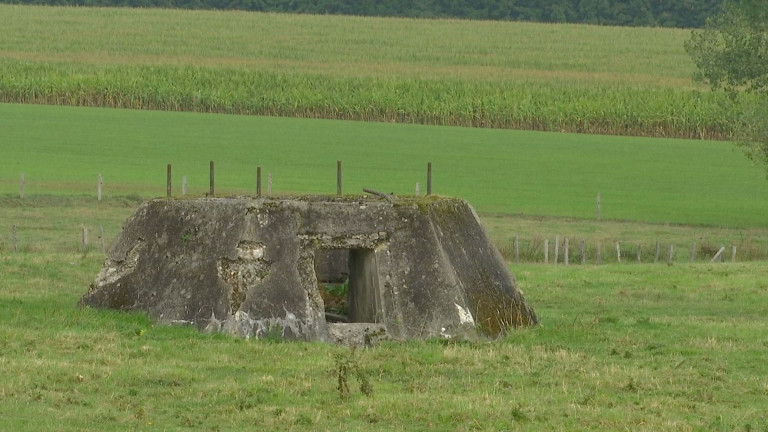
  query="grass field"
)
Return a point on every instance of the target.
[
  {"x": 630, "y": 81},
  {"x": 348, "y": 46},
  {"x": 620, "y": 347},
  {"x": 62, "y": 150}
]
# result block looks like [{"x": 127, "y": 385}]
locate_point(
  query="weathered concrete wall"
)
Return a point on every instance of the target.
[
  {"x": 332, "y": 265},
  {"x": 420, "y": 267}
]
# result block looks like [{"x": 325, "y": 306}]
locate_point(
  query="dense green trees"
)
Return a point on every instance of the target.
[
  {"x": 665, "y": 13},
  {"x": 732, "y": 53}
]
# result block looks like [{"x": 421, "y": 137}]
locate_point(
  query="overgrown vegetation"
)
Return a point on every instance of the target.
[{"x": 348, "y": 364}]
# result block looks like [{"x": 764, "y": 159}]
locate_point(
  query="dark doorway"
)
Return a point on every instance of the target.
[{"x": 349, "y": 284}]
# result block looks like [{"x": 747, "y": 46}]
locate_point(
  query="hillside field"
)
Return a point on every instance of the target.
[
  {"x": 63, "y": 150},
  {"x": 553, "y": 77}
]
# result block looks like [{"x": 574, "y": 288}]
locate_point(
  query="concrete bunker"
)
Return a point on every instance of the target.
[{"x": 261, "y": 267}]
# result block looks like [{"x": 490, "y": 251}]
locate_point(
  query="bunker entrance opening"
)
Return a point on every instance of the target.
[{"x": 348, "y": 283}]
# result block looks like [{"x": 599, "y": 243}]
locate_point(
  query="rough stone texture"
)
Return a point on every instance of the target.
[
  {"x": 420, "y": 267},
  {"x": 357, "y": 334}
]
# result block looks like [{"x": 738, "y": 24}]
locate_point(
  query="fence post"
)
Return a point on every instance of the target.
[
  {"x": 546, "y": 251},
  {"x": 429, "y": 178},
  {"x": 213, "y": 180},
  {"x": 418, "y": 189},
  {"x": 168, "y": 183},
  {"x": 22, "y": 186},
  {"x": 258, "y": 181},
  {"x": 671, "y": 253},
  {"x": 639, "y": 253},
  {"x": 618, "y": 252},
  {"x": 338, "y": 178},
  {"x": 599, "y": 208},
  {"x": 583, "y": 252},
  {"x": 566, "y": 251},
  {"x": 658, "y": 252},
  {"x": 103, "y": 242},
  {"x": 15, "y": 237},
  {"x": 101, "y": 184},
  {"x": 517, "y": 248},
  {"x": 85, "y": 239},
  {"x": 733, "y": 253},
  {"x": 693, "y": 252},
  {"x": 599, "y": 253},
  {"x": 269, "y": 184},
  {"x": 557, "y": 249},
  {"x": 718, "y": 255}
]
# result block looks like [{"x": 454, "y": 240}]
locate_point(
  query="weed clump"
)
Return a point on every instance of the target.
[{"x": 349, "y": 364}]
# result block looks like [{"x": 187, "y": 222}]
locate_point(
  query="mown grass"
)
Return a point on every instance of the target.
[
  {"x": 62, "y": 150},
  {"x": 630, "y": 81},
  {"x": 620, "y": 347}
]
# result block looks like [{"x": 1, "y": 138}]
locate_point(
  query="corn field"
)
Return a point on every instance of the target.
[
  {"x": 459, "y": 73},
  {"x": 545, "y": 107}
]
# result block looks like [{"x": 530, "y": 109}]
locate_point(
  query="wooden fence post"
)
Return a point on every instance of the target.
[
  {"x": 517, "y": 248},
  {"x": 693, "y": 252},
  {"x": 639, "y": 252},
  {"x": 658, "y": 252},
  {"x": 101, "y": 184},
  {"x": 15, "y": 237},
  {"x": 429, "y": 178},
  {"x": 418, "y": 189},
  {"x": 618, "y": 252},
  {"x": 168, "y": 183},
  {"x": 546, "y": 251},
  {"x": 258, "y": 181},
  {"x": 718, "y": 255},
  {"x": 557, "y": 249},
  {"x": 85, "y": 239},
  {"x": 339, "y": 190},
  {"x": 599, "y": 208},
  {"x": 212, "y": 192},
  {"x": 671, "y": 254},
  {"x": 599, "y": 253},
  {"x": 103, "y": 241},
  {"x": 565, "y": 252},
  {"x": 583, "y": 252},
  {"x": 269, "y": 184},
  {"x": 733, "y": 253}
]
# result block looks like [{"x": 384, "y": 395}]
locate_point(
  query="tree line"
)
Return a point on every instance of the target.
[{"x": 657, "y": 13}]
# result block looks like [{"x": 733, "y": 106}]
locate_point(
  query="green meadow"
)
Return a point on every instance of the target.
[
  {"x": 621, "y": 346},
  {"x": 643, "y": 348},
  {"x": 63, "y": 150}
]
